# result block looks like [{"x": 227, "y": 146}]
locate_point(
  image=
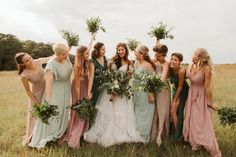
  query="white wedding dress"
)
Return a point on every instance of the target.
[{"x": 115, "y": 121}]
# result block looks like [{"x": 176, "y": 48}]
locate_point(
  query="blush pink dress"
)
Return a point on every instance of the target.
[
  {"x": 37, "y": 86},
  {"x": 198, "y": 127},
  {"x": 76, "y": 126}
]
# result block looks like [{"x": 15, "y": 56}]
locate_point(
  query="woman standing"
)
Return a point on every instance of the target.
[
  {"x": 178, "y": 78},
  {"x": 57, "y": 92},
  {"x": 115, "y": 121},
  {"x": 198, "y": 126},
  {"x": 81, "y": 88},
  {"x": 143, "y": 102},
  {"x": 31, "y": 73},
  {"x": 162, "y": 108},
  {"x": 100, "y": 64}
]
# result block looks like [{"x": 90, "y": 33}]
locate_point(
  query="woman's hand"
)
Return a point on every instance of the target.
[
  {"x": 89, "y": 96},
  {"x": 151, "y": 98}
]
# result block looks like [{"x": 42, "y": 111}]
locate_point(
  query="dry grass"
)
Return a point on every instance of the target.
[{"x": 12, "y": 120}]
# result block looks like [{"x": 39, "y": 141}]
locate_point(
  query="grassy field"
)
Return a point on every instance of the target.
[{"x": 13, "y": 112}]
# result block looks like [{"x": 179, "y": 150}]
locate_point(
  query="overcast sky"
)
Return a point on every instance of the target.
[{"x": 203, "y": 23}]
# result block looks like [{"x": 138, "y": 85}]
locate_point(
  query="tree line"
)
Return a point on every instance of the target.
[{"x": 10, "y": 45}]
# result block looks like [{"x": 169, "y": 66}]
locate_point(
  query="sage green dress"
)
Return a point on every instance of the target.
[
  {"x": 97, "y": 82},
  {"x": 143, "y": 109},
  {"x": 60, "y": 96}
]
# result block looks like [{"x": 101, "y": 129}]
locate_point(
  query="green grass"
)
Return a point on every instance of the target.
[{"x": 13, "y": 113}]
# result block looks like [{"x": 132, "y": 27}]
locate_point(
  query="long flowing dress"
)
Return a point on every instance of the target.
[
  {"x": 37, "y": 86},
  {"x": 60, "y": 96},
  {"x": 115, "y": 121},
  {"x": 144, "y": 110},
  {"x": 162, "y": 108},
  {"x": 198, "y": 127},
  {"x": 177, "y": 134},
  {"x": 76, "y": 126},
  {"x": 96, "y": 81}
]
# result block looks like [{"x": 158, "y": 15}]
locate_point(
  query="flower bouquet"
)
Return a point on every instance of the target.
[
  {"x": 117, "y": 83},
  {"x": 85, "y": 109},
  {"x": 150, "y": 82},
  {"x": 161, "y": 32},
  {"x": 45, "y": 111},
  {"x": 94, "y": 24}
]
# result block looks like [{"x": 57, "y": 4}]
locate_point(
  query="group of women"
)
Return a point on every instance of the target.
[{"x": 180, "y": 111}]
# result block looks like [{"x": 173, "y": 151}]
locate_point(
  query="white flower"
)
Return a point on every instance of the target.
[{"x": 115, "y": 82}]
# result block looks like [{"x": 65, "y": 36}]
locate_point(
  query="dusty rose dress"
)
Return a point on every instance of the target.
[
  {"x": 161, "y": 122},
  {"x": 198, "y": 127},
  {"x": 76, "y": 126},
  {"x": 37, "y": 86}
]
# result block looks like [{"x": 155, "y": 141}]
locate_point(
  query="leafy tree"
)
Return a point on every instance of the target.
[{"x": 9, "y": 46}]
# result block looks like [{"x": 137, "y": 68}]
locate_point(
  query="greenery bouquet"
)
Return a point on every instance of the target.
[
  {"x": 45, "y": 111},
  {"x": 71, "y": 38},
  {"x": 227, "y": 115},
  {"x": 161, "y": 32},
  {"x": 132, "y": 44},
  {"x": 94, "y": 24},
  {"x": 85, "y": 109},
  {"x": 150, "y": 82}
]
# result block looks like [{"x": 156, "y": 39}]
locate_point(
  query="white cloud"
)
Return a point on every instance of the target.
[{"x": 202, "y": 23}]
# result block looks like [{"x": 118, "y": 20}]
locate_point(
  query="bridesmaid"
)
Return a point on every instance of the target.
[
  {"x": 198, "y": 127},
  {"x": 81, "y": 88},
  {"x": 57, "y": 92},
  {"x": 178, "y": 78},
  {"x": 143, "y": 102},
  {"x": 100, "y": 64},
  {"x": 31, "y": 73},
  {"x": 162, "y": 108}
]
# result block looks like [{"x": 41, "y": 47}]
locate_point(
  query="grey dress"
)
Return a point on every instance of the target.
[
  {"x": 60, "y": 96},
  {"x": 143, "y": 109}
]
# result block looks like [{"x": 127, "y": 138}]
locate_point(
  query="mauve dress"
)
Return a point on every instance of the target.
[
  {"x": 37, "y": 86},
  {"x": 198, "y": 127},
  {"x": 76, "y": 126}
]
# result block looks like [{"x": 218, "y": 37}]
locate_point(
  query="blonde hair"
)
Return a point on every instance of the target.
[
  {"x": 203, "y": 58},
  {"x": 59, "y": 48},
  {"x": 143, "y": 49}
]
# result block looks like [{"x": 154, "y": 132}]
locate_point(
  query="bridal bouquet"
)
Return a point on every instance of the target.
[
  {"x": 161, "y": 32},
  {"x": 117, "y": 83},
  {"x": 94, "y": 24},
  {"x": 150, "y": 82},
  {"x": 45, "y": 111},
  {"x": 85, "y": 109},
  {"x": 132, "y": 44},
  {"x": 71, "y": 38}
]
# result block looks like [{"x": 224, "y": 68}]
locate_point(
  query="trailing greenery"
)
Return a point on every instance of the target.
[
  {"x": 85, "y": 109},
  {"x": 161, "y": 31},
  {"x": 132, "y": 44},
  {"x": 227, "y": 115},
  {"x": 71, "y": 38},
  {"x": 45, "y": 111},
  {"x": 94, "y": 24}
]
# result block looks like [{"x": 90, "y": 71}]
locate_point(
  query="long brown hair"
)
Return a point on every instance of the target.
[
  {"x": 117, "y": 59},
  {"x": 18, "y": 58},
  {"x": 96, "y": 50},
  {"x": 81, "y": 64}
]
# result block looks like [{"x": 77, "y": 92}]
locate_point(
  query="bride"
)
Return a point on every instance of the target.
[{"x": 115, "y": 121}]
